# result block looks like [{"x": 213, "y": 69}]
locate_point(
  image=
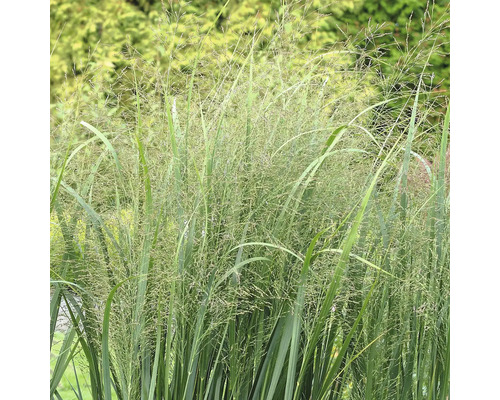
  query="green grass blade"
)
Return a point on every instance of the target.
[
  {"x": 108, "y": 144},
  {"x": 280, "y": 358},
  {"x": 106, "y": 369}
]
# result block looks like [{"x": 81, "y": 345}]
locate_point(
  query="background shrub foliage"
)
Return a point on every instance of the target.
[{"x": 92, "y": 36}]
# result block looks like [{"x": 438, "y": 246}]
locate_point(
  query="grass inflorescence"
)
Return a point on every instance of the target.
[{"x": 261, "y": 234}]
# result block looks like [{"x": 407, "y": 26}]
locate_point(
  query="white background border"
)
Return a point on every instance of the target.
[{"x": 24, "y": 199}]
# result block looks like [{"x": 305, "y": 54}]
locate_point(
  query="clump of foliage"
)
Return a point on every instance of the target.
[
  {"x": 254, "y": 233},
  {"x": 399, "y": 26},
  {"x": 89, "y": 37}
]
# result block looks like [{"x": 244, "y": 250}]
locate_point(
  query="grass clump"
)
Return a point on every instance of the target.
[{"x": 260, "y": 239}]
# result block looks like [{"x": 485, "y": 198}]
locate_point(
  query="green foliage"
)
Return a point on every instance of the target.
[
  {"x": 253, "y": 233},
  {"x": 90, "y": 35},
  {"x": 93, "y": 41},
  {"x": 404, "y": 24},
  {"x": 240, "y": 218}
]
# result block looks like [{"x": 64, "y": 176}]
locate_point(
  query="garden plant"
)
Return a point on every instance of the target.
[{"x": 270, "y": 223}]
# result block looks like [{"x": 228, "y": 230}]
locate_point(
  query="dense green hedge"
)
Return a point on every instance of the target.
[
  {"x": 95, "y": 37},
  {"x": 404, "y": 21}
]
